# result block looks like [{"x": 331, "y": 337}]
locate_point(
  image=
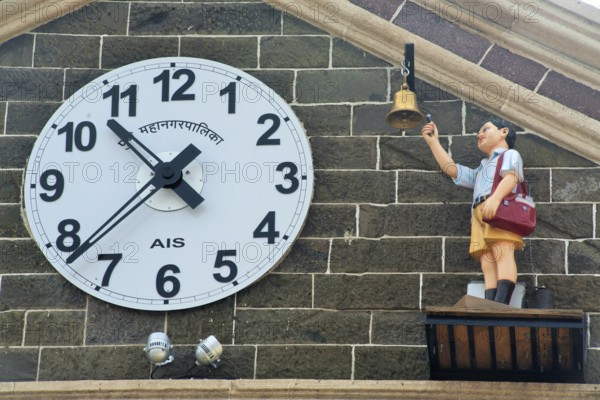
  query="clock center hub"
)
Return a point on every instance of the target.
[
  {"x": 166, "y": 199},
  {"x": 167, "y": 172}
]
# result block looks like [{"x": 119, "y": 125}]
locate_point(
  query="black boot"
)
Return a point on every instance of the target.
[
  {"x": 490, "y": 294},
  {"x": 504, "y": 291}
]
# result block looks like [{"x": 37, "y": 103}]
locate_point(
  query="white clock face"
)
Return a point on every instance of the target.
[{"x": 168, "y": 184}]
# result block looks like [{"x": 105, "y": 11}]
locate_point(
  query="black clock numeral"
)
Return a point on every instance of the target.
[
  {"x": 76, "y": 136},
  {"x": 220, "y": 263},
  {"x": 115, "y": 94},
  {"x": 114, "y": 260},
  {"x": 266, "y": 228},
  {"x": 180, "y": 94},
  {"x": 52, "y": 179},
  {"x": 289, "y": 176},
  {"x": 68, "y": 229},
  {"x": 231, "y": 91},
  {"x": 162, "y": 279},
  {"x": 265, "y": 139}
]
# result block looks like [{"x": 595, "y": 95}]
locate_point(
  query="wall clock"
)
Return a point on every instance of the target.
[{"x": 168, "y": 184}]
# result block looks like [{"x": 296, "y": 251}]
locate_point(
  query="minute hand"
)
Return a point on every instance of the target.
[
  {"x": 164, "y": 178},
  {"x": 180, "y": 187}
]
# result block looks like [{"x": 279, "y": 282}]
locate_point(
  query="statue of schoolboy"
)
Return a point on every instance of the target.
[{"x": 493, "y": 247}]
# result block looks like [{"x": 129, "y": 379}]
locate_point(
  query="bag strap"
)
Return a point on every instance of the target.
[{"x": 521, "y": 186}]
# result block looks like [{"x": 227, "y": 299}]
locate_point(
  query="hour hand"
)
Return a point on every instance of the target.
[{"x": 127, "y": 137}]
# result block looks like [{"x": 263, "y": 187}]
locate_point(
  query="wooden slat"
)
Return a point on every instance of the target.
[
  {"x": 483, "y": 352},
  {"x": 503, "y": 351},
  {"x": 461, "y": 346},
  {"x": 545, "y": 348},
  {"x": 523, "y": 343},
  {"x": 443, "y": 346},
  {"x": 565, "y": 349}
]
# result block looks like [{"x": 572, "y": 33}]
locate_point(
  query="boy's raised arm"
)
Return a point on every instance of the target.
[{"x": 431, "y": 135}]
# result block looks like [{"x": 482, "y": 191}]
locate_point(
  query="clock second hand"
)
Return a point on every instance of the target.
[
  {"x": 181, "y": 187},
  {"x": 168, "y": 176}
]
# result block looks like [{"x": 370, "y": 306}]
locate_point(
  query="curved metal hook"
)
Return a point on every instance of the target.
[{"x": 404, "y": 70}]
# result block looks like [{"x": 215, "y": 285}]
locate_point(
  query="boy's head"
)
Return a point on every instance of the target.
[
  {"x": 511, "y": 136},
  {"x": 506, "y": 131}
]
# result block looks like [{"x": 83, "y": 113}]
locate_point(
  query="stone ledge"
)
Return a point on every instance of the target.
[
  {"x": 25, "y": 15},
  {"x": 294, "y": 389},
  {"x": 456, "y": 75}
]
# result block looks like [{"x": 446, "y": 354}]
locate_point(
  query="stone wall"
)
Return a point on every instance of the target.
[{"x": 386, "y": 237}]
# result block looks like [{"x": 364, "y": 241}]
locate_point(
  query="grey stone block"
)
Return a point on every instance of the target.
[
  {"x": 27, "y": 84},
  {"x": 11, "y": 328},
  {"x": 11, "y": 223},
  {"x": 191, "y": 325},
  {"x": 325, "y": 120},
  {"x": 75, "y": 79},
  {"x": 594, "y": 329},
  {"x": 204, "y": 18},
  {"x": 103, "y": 18},
  {"x": 564, "y": 221},
  {"x": 22, "y": 256},
  {"x": 240, "y": 52},
  {"x": 306, "y": 256},
  {"x": 439, "y": 92},
  {"x": 430, "y": 187},
  {"x": 344, "y": 152},
  {"x": 386, "y": 255},
  {"x": 28, "y": 118},
  {"x": 408, "y": 153},
  {"x": 295, "y": 327},
  {"x": 576, "y": 185},
  {"x": 93, "y": 363},
  {"x": 346, "y": 55},
  {"x": 55, "y": 328},
  {"x": 541, "y": 153},
  {"x": 67, "y": 51},
  {"x": 330, "y": 221},
  {"x": 278, "y": 291},
  {"x": 39, "y": 292},
  {"x": 399, "y": 328},
  {"x": 292, "y": 51},
  {"x": 304, "y": 362},
  {"x": 280, "y": 81},
  {"x": 17, "y": 52},
  {"x": 355, "y": 187},
  {"x": 15, "y": 150},
  {"x": 293, "y": 25},
  {"x": 591, "y": 371},
  {"x": 331, "y": 86},
  {"x": 18, "y": 364},
  {"x": 10, "y": 186},
  {"x": 391, "y": 363},
  {"x": 370, "y": 119},
  {"x": 108, "y": 324},
  {"x": 377, "y": 291},
  {"x": 121, "y": 50},
  {"x": 584, "y": 257},
  {"x": 445, "y": 289},
  {"x": 415, "y": 220},
  {"x": 573, "y": 292}
]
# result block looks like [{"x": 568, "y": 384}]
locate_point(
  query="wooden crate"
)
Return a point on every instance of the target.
[{"x": 482, "y": 340}]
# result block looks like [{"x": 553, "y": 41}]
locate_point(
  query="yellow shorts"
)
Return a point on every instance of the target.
[{"x": 483, "y": 235}]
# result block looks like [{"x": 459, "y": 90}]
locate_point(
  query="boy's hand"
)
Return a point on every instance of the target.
[
  {"x": 490, "y": 207},
  {"x": 430, "y": 132}
]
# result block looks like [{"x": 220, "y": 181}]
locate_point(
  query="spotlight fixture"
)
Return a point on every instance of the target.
[
  {"x": 208, "y": 352},
  {"x": 158, "y": 349}
]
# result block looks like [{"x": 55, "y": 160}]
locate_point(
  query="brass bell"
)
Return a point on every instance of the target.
[{"x": 405, "y": 113}]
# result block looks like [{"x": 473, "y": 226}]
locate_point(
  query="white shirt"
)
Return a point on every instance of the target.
[{"x": 481, "y": 179}]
